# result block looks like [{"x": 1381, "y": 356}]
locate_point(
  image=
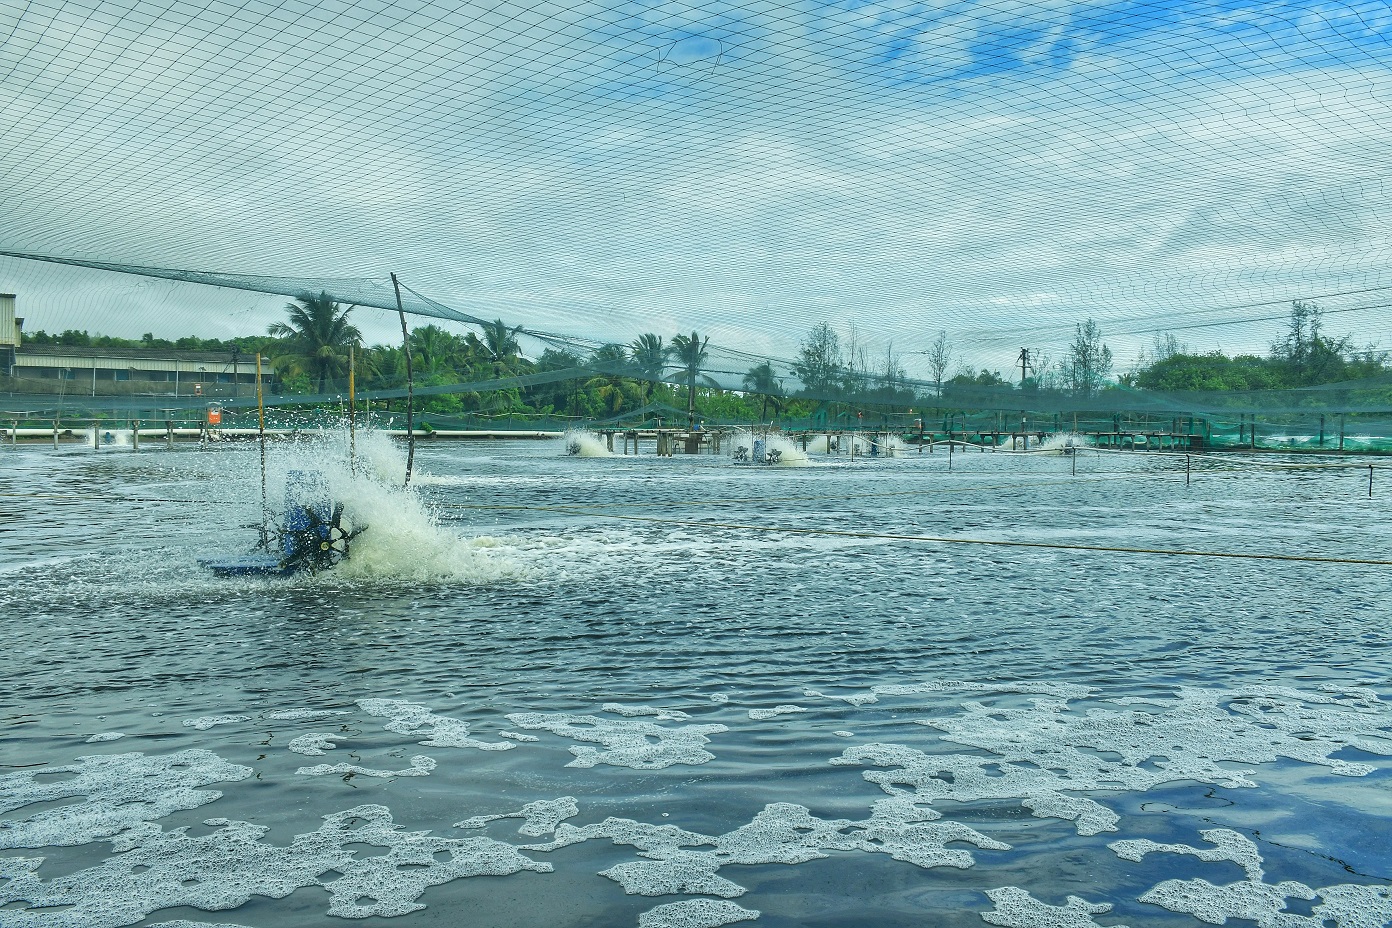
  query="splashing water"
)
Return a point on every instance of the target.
[
  {"x": 779, "y": 450},
  {"x": 404, "y": 538},
  {"x": 583, "y": 443},
  {"x": 1062, "y": 441}
]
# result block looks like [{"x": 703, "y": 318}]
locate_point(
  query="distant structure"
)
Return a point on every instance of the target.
[
  {"x": 10, "y": 328},
  {"x": 75, "y": 370}
]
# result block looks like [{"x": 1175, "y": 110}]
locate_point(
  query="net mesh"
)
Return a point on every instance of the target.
[{"x": 998, "y": 172}]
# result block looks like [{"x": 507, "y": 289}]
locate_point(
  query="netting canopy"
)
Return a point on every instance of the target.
[{"x": 999, "y": 170}]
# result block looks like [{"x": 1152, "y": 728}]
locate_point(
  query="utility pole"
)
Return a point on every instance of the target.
[{"x": 1025, "y": 365}]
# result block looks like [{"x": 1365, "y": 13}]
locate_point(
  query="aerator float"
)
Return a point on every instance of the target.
[{"x": 310, "y": 538}]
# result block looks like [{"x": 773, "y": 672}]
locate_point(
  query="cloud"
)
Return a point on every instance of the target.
[{"x": 742, "y": 170}]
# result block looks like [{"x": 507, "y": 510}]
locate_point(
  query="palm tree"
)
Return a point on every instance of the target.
[
  {"x": 762, "y": 380},
  {"x": 614, "y": 390},
  {"x": 649, "y": 356},
  {"x": 316, "y": 337},
  {"x": 690, "y": 354},
  {"x": 500, "y": 345}
]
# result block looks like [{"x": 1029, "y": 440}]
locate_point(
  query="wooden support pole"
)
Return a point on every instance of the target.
[{"x": 410, "y": 385}]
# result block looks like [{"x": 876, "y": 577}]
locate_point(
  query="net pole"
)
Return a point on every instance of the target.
[
  {"x": 261, "y": 442},
  {"x": 410, "y": 386},
  {"x": 352, "y": 409}
]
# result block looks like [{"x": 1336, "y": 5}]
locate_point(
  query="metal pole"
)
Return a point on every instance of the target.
[
  {"x": 410, "y": 387},
  {"x": 1186, "y": 470},
  {"x": 1370, "y": 481},
  {"x": 135, "y": 435}
]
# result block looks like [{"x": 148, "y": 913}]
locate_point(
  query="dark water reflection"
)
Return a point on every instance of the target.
[{"x": 109, "y": 625}]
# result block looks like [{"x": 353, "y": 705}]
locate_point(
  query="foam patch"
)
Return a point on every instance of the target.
[
  {"x": 408, "y": 718},
  {"x": 855, "y": 699},
  {"x": 1016, "y": 908},
  {"x": 517, "y": 736},
  {"x": 304, "y": 715},
  {"x": 120, "y": 792},
  {"x": 1228, "y": 845},
  {"x": 208, "y": 721},
  {"x": 315, "y": 743},
  {"x": 627, "y": 742},
  {"x": 678, "y": 861},
  {"x": 539, "y": 818},
  {"x": 759, "y": 715},
  {"x": 1044, "y": 753},
  {"x": 662, "y": 715},
  {"x": 420, "y": 767},
  {"x": 224, "y": 869},
  {"x": 968, "y": 778},
  {"x": 106, "y": 736},
  {"x": 695, "y": 913},
  {"x": 1346, "y": 905}
]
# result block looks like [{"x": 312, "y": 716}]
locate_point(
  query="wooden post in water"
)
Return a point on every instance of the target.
[
  {"x": 135, "y": 435},
  {"x": 261, "y": 442},
  {"x": 1341, "y": 431},
  {"x": 352, "y": 414},
  {"x": 410, "y": 385},
  {"x": 55, "y": 434},
  {"x": 1370, "y": 481},
  {"x": 96, "y": 436}
]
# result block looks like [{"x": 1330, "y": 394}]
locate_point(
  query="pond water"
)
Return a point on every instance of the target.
[{"x": 703, "y": 693}]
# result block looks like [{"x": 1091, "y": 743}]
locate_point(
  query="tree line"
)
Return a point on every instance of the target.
[{"x": 834, "y": 373}]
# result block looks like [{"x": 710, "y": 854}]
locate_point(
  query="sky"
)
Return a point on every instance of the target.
[{"x": 999, "y": 171}]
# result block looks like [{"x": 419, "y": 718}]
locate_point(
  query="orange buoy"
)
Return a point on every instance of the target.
[{"x": 215, "y": 415}]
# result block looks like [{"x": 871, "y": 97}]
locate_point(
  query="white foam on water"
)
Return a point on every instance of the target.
[
  {"x": 226, "y": 868},
  {"x": 695, "y": 913},
  {"x": 582, "y": 443},
  {"x": 855, "y": 699},
  {"x": 759, "y": 715},
  {"x": 517, "y": 736},
  {"x": 408, "y": 718},
  {"x": 208, "y": 721},
  {"x": 421, "y": 766},
  {"x": 844, "y": 734},
  {"x": 1016, "y": 908},
  {"x": 539, "y": 818},
  {"x": 627, "y": 742},
  {"x": 106, "y": 736},
  {"x": 315, "y": 743},
  {"x": 1227, "y": 845},
  {"x": 1347, "y": 905},
  {"x": 662, "y": 715},
  {"x": 720, "y": 698},
  {"x": 676, "y": 861},
  {"x": 304, "y": 715},
  {"x": 121, "y": 793},
  {"x": 1042, "y": 754}
]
